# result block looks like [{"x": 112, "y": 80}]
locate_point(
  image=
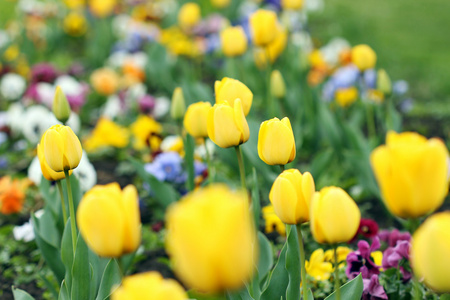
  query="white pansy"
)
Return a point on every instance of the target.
[
  {"x": 85, "y": 173},
  {"x": 46, "y": 92},
  {"x": 69, "y": 85},
  {"x": 138, "y": 59},
  {"x": 116, "y": 59},
  {"x": 120, "y": 24},
  {"x": 112, "y": 107},
  {"x": 12, "y": 86},
  {"x": 168, "y": 142},
  {"x": 200, "y": 150},
  {"x": 36, "y": 120},
  {"x": 331, "y": 51},
  {"x": 34, "y": 171},
  {"x": 74, "y": 122},
  {"x": 24, "y": 232},
  {"x": 162, "y": 107}
]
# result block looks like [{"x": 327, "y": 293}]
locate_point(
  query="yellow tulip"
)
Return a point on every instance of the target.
[
  {"x": 291, "y": 4},
  {"x": 62, "y": 148},
  {"x": 234, "y": 41},
  {"x": 220, "y": 3},
  {"x": 334, "y": 216},
  {"x": 149, "y": 286},
  {"x": 276, "y": 144},
  {"x": 364, "y": 57},
  {"x": 273, "y": 50},
  {"x": 102, "y": 8},
  {"x": 412, "y": 173},
  {"x": 229, "y": 89},
  {"x": 48, "y": 173},
  {"x": 75, "y": 24},
  {"x": 346, "y": 96},
  {"x": 291, "y": 195},
  {"x": 277, "y": 85},
  {"x": 263, "y": 24},
  {"x": 189, "y": 15},
  {"x": 109, "y": 219},
  {"x": 226, "y": 125},
  {"x": 211, "y": 239},
  {"x": 196, "y": 119},
  {"x": 429, "y": 252}
]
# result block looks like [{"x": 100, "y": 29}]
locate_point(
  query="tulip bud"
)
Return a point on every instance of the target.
[
  {"x": 62, "y": 148},
  {"x": 230, "y": 89},
  {"x": 429, "y": 252},
  {"x": 263, "y": 24},
  {"x": 291, "y": 195},
  {"x": 292, "y": 4},
  {"x": 109, "y": 219},
  {"x": 196, "y": 119},
  {"x": 334, "y": 216},
  {"x": 276, "y": 144},
  {"x": 149, "y": 286},
  {"x": 227, "y": 126},
  {"x": 277, "y": 85},
  {"x": 412, "y": 173},
  {"x": 273, "y": 50},
  {"x": 384, "y": 82},
  {"x": 220, "y": 3},
  {"x": 178, "y": 106},
  {"x": 211, "y": 239},
  {"x": 364, "y": 57},
  {"x": 189, "y": 15},
  {"x": 61, "y": 107},
  {"x": 234, "y": 41}
]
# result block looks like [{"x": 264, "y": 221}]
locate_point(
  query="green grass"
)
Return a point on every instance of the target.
[
  {"x": 7, "y": 8},
  {"x": 410, "y": 38}
]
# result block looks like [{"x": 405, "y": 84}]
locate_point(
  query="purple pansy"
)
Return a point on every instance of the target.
[
  {"x": 392, "y": 237},
  {"x": 392, "y": 257},
  {"x": 360, "y": 261},
  {"x": 373, "y": 290}
]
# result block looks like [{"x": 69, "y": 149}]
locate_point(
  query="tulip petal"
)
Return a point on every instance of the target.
[
  {"x": 283, "y": 196},
  {"x": 226, "y": 133},
  {"x": 241, "y": 122},
  {"x": 132, "y": 228},
  {"x": 53, "y": 150},
  {"x": 72, "y": 147}
]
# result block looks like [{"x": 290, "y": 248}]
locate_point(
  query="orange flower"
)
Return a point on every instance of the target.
[{"x": 11, "y": 195}]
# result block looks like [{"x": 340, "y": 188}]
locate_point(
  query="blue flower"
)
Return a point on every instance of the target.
[
  {"x": 345, "y": 77},
  {"x": 167, "y": 166},
  {"x": 370, "y": 78}
]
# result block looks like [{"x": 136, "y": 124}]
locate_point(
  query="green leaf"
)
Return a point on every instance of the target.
[
  {"x": 352, "y": 290},
  {"x": 48, "y": 230},
  {"x": 321, "y": 162},
  {"x": 256, "y": 204},
  {"x": 50, "y": 195},
  {"x": 63, "y": 292},
  {"x": 21, "y": 295},
  {"x": 445, "y": 297},
  {"x": 293, "y": 264},
  {"x": 110, "y": 278},
  {"x": 81, "y": 273},
  {"x": 278, "y": 279},
  {"x": 189, "y": 146},
  {"x": 265, "y": 255},
  {"x": 67, "y": 253}
]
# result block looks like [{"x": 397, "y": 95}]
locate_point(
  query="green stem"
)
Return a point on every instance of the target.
[
  {"x": 208, "y": 162},
  {"x": 270, "y": 100},
  {"x": 370, "y": 120},
  {"x": 282, "y": 167},
  {"x": 337, "y": 286},
  {"x": 63, "y": 202},
  {"x": 302, "y": 262},
  {"x": 241, "y": 166},
  {"x": 416, "y": 287},
  {"x": 71, "y": 211},
  {"x": 120, "y": 264}
]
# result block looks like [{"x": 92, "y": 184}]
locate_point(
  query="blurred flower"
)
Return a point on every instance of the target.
[
  {"x": 85, "y": 173},
  {"x": 369, "y": 79},
  {"x": 146, "y": 104},
  {"x": 373, "y": 290},
  {"x": 11, "y": 53},
  {"x": 75, "y": 24},
  {"x": 43, "y": 72},
  {"x": 74, "y": 4},
  {"x": 346, "y": 96},
  {"x": 211, "y": 239},
  {"x": 367, "y": 228},
  {"x": 229, "y": 89},
  {"x": 173, "y": 143},
  {"x": 274, "y": 49},
  {"x": 234, "y": 41},
  {"x": 195, "y": 119},
  {"x": 106, "y": 134},
  {"x": 105, "y": 81},
  {"x": 364, "y": 57},
  {"x": 263, "y": 24},
  {"x": 109, "y": 220},
  {"x": 317, "y": 267},
  {"x": 345, "y": 77},
  {"x": 149, "y": 286},
  {"x": 384, "y": 83},
  {"x": 394, "y": 236},
  {"x": 334, "y": 216},
  {"x": 412, "y": 173},
  {"x": 342, "y": 253},
  {"x": 12, "y": 195},
  {"x": 361, "y": 261},
  {"x": 35, "y": 121},
  {"x": 375, "y": 96},
  {"x": 12, "y": 86},
  {"x": 60, "y": 108},
  {"x": 178, "y": 106},
  {"x": 74, "y": 90},
  {"x": 167, "y": 166},
  {"x": 292, "y": 4},
  {"x": 276, "y": 143},
  {"x": 400, "y": 87},
  {"x": 272, "y": 221},
  {"x": 24, "y": 232},
  {"x": 189, "y": 15},
  {"x": 146, "y": 131},
  {"x": 277, "y": 85},
  {"x": 102, "y": 8},
  {"x": 392, "y": 257},
  {"x": 227, "y": 126},
  {"x": 220, "y": 3}
]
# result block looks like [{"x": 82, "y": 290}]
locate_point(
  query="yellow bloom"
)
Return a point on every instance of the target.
[
  {"x": 384, "y": 83},
  {"x": 377, "y": 257},
  {"x": 334, "y": 216},
  {"x": 317, "y": 267},
  {"x": 364, "y": 57},
  {"x": 109, "y": 219},
  {"x": 291, "y": 196},
  {"x": 276, "y": 144},
  {"x": 227, "y": 126},
  {"x": 102, "y": 8},
  {"x": 375, "y": 95},
  {"x": 211, "y": 239},
  {"x": 342, "y": 253},
  {"x": 74, "y": 4},
  {"x": 316, "y": 59},
  {"x": 48, "y": 173},
  {"x": 291, "y": 4},
  {"x": 11, "y": 53},
  {"x": 143, "y": 129},
  {"x": 62, "y": 148},
  {"x": 277, "y": 85},
  {"x": 263, "y": 24},
  {"x": 75, "y": 24},
  {"x": 234, "y": 41},
  {"x": 412, "y": 173},
  {"x": 196, "y": 119},
  {"x": 346, "y": 96},
  {"x": 229, "y": 89},
  {"x": 105, "y": 81},
  {"x": 273, "y": 222},
  {"x": 106, "y": 133},
  {"x": 220, "y": 3},
  {"x": 189, "y": 15},
  {"x": 429, "y": 252},
  {"x": 274, "y": 49},
  {"x": 149, "y": 286}
]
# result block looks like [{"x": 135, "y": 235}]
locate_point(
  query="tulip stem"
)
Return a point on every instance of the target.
[
  {"x": 63, "y": 202},
  {"x": 282, "y": 167},
  {"x": 71, "y": 211},
  {"x": 120, "y": 264},
  {"x": 302, "y": 261},
  {"x": 370, "y": 120},
  {"x": 241, "y": 166},
  {"x": 337, "y": 286},
  {"x": 208, "y": 162}
]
